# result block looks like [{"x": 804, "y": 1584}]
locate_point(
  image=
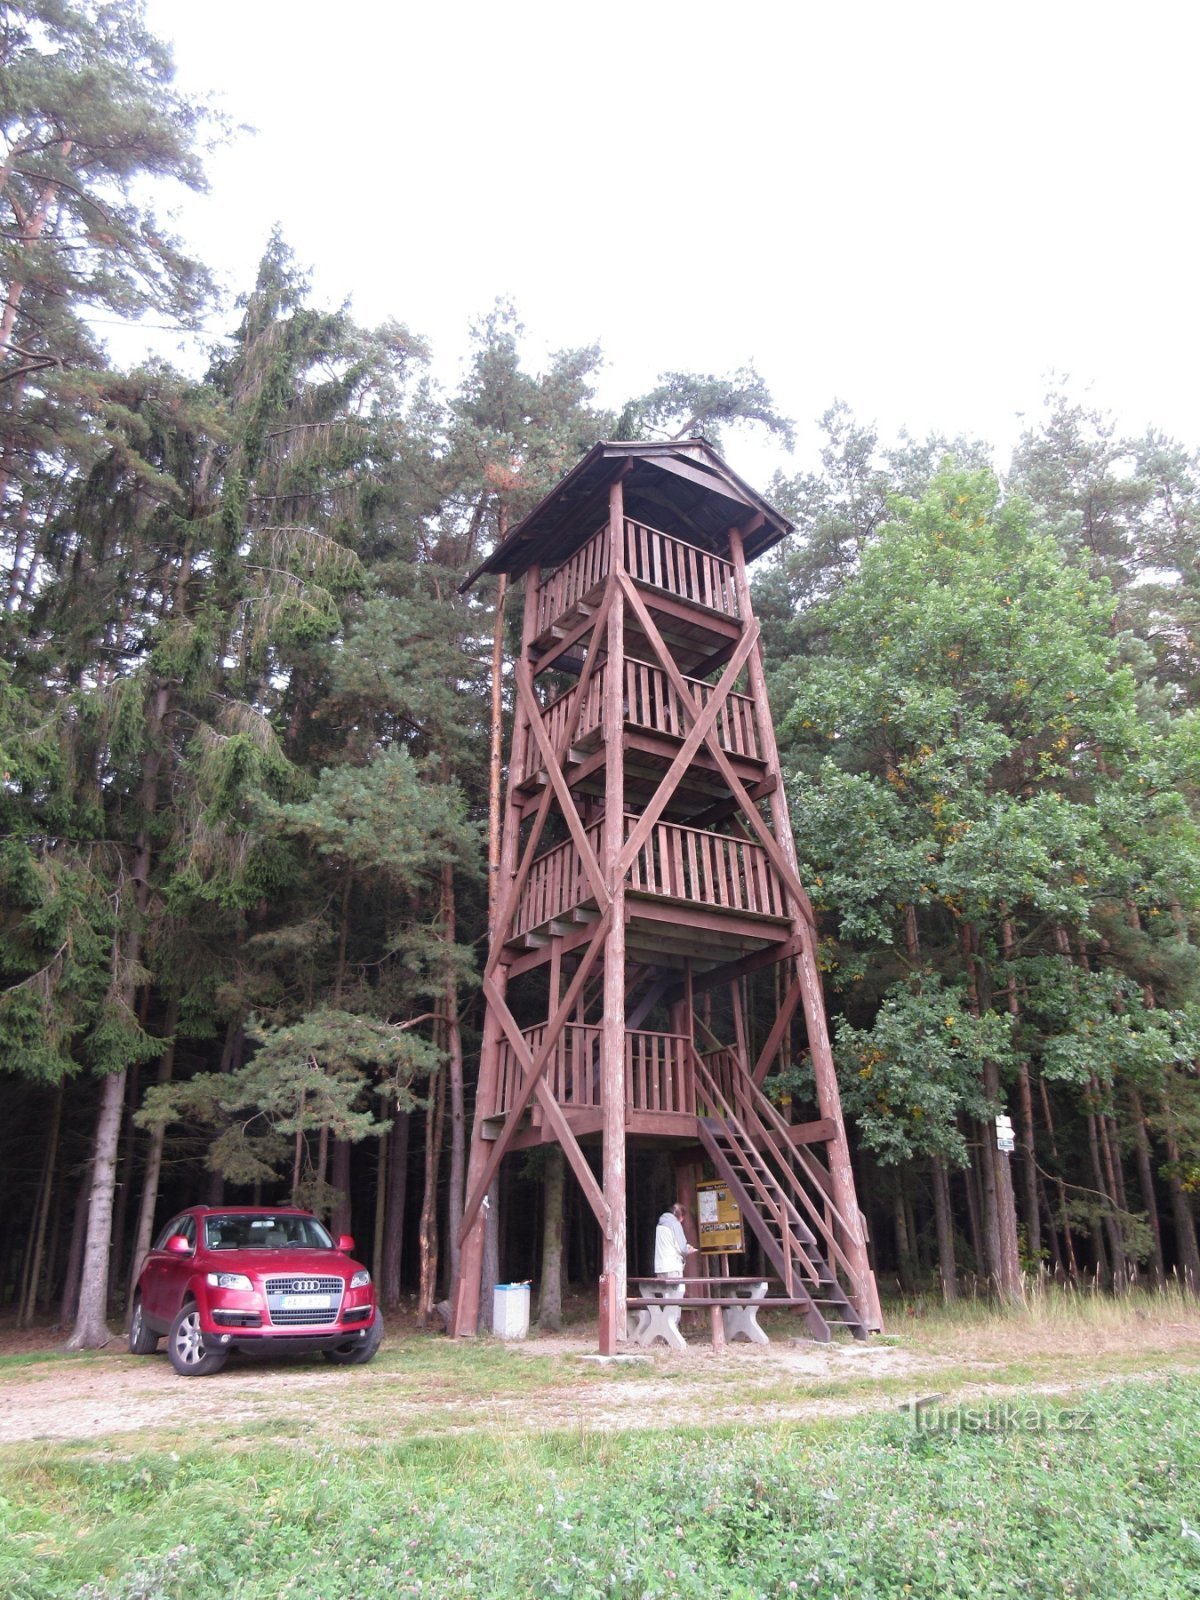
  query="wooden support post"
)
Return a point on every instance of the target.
[
  {"x": 612, "y": 1313},
  {"x": 612, "y": 1059},
  {"x": 829, "y": 1097},
  {"x": 718, "y": 1330},
  {"x": 464, "y": 1313}
]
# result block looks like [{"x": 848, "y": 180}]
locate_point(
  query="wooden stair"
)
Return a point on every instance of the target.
[{"x": 766, "y": 1192}]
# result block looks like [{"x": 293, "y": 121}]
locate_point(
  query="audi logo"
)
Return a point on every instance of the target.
[{"x": 304, "y": 1285}]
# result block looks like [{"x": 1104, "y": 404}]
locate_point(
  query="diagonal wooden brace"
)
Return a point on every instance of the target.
[
  {"x": 566, "y": 805},
  {"x": 766, "y": 838},
  {"x": 698, "y": 734},
  {"x": 557, "y": 757},
  {"x": 534, "y": 1067},
  {"x": 782, "y": 1022}
]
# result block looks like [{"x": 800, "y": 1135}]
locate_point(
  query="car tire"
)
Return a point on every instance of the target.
[
  {"x": 143, "y": 1341},
  {"x": 189, "y": 1354},
  {"x": 362, "y": 1351}
]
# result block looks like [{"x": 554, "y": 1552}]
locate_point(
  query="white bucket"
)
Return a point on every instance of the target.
[{"x": 510, "y": 1311}]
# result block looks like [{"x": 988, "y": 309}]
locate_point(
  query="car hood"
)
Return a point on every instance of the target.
[{"x": 271, "y": 1263}]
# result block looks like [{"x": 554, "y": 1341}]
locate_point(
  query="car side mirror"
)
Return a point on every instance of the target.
[
  {"x": 346, "y": 1242},
  {"x": 177, "y": 1245}
]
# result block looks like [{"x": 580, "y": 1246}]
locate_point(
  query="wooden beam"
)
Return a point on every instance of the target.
[
  {"x": 770, "y": 957},
  {"x": 536, "y": 958},
  {"x": 543, "y": 663},
  {"x": 646, "y": 1005},
  {"x": 612, "y": 1039},
  {"x": 780, "y": 1026},
  {"x": 694, "y": 614},
  {"x": 819, "y": 1132},
  {"x": 726, "y": 808}
]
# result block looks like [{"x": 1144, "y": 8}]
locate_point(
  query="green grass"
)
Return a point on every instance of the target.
[
  {"x": 33, "y": 1358},
  {"x": 870, "y": 1507}
]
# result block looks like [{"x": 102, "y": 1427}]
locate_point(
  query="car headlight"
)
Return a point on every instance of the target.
[
  {"x": 360, "y": 1280},
  {"x": 229, "y": 1280}
]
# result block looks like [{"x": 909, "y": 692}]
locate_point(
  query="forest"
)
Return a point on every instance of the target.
[{"x": 251, "y": 738}]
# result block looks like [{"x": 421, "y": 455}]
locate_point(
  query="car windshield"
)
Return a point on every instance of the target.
[{"x": 270, "y": 1231}]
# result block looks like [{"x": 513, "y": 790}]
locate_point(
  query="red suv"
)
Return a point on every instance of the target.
[{"x": 252, "y": 1277}]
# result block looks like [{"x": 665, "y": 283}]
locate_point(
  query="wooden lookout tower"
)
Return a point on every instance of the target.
[{"x": 647, "y": 867}]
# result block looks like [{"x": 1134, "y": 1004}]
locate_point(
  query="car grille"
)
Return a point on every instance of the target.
[{"x": 284, "y": 1316}]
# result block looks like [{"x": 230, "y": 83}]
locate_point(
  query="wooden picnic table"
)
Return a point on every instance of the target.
[{"x": 733, "y": 1302}]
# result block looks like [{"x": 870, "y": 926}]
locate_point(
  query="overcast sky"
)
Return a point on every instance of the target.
[{"x": 923, "y": 209}]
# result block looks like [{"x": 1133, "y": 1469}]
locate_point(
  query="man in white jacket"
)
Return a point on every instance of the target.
[{"x": 670, "y": 1244}]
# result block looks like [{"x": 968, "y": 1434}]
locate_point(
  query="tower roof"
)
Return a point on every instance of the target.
[{"x": 681, "y": 487}]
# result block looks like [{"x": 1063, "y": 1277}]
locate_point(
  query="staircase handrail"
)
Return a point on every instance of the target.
[
  {"x": 784, "y": 1158},
  {"x": 713, "y": 1093}
]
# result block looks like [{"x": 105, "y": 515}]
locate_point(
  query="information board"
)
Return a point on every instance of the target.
[{"x": 720, "y": 1220}]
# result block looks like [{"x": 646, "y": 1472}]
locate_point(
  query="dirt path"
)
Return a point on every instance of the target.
[
  {"x": 115, "y": 1393},
  {"x": 416, "y": 1386}
]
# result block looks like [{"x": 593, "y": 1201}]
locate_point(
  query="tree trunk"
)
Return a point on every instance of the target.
[
  {"x": 339, "y": 1221},
  {"x": 1029, "y": 1199},
  {"x": 904, "y": 1250},
  {"x": 1187, "y": 1256},
  {"x": 999, "y": 1203},
  {"x": 974, "y": 1221},
  {"x": 454, "y": 1055},
  {"x": 1141, "y": 1145},
  {"x": 1103, "y": 1183},
  {"x": 943, "y": 1224},
  {"x": 322, "y": 1163},
  {"x": 91, "y": 1332},
  {"x": 232, "y": 1052},
  {"x": 1063, "y": 1215},
  {"x": 1051, "y": 1233},
  {"x": 428, "y": 1235},
  {"x": 380, "y": 1220},
  {"x": 125, "y": 1183},
  {"x": 550, "y": 1290},
  {"x": 1102, "y": 1268},
  {"x": 397, "y": 1191},
  {"x": 41, "y": 1216},
  {"x": 79, "y": 1219},
  {"x": 153, "y": 1172}
]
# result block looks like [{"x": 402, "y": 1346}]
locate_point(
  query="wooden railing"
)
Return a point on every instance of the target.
[
  {"x": 555, "y": 885},
  {"x": 679, "y": 863},
  {"x": 658, "y": 1074},
  {"x": 710, "y": 869},
  {"x": 573, "y": 1072},
  {"x": 578, "y": 576},
  {"x": 728, "y": 1080},
  {"x": 652, "y": 558},
  {"x": 650, "y": 702},
  {"x": 680, "y": 569}
]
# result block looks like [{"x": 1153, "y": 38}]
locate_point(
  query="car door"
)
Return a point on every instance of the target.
[{"x": 166, "y": 1274}]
